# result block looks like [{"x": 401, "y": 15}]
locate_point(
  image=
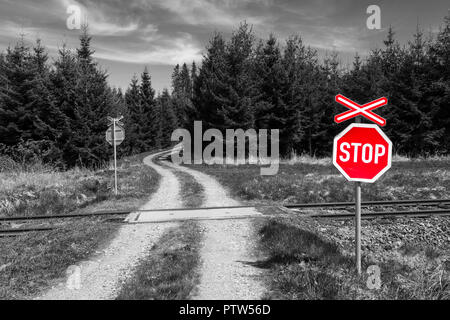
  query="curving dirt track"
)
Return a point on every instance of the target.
[{"x": 102, "y": 274}]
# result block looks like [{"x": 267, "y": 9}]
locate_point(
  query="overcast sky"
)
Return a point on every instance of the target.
[{"x": 128, "y": 35}]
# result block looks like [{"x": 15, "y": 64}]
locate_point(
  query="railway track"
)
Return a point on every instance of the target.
[
  {"x": 387, "y": 214},
  {"x": 339, "y": 205},
  {"x": 115, "y": 215}
]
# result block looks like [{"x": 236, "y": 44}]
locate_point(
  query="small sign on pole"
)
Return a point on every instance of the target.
[
  {"x": 362, "y": 153},
  {"x": 115, "y": 136}
]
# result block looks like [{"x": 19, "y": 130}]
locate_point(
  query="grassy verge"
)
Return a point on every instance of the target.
[
  {"x": 321, "y": 182},
  {"x": 192, "y": 191},
  {"x": 31, "y": 262},
  {"x": 169, "y": 272},
  {"x": 304, "y": 265}
]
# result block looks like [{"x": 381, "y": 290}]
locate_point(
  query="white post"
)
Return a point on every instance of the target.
[{"x": 115, "y": 156}]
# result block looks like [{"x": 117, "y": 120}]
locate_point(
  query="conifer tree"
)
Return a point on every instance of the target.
[
  {"x": 439, "y": 72},
  {"x": 167, "y": 119},
  {"x": 94, "y": 103},
  {"x": 148, "y": 122},
  {"x": 133, "y": 142}
]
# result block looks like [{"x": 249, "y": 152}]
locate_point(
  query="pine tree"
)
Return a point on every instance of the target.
[
  {"x": 64, "y": 89},
  {"x": 181, "y": 95},
  {"x": 299, "y": 65},
  {"x": 322, "y": 82},
  {"x": 167, "y": 117},
  {"x": 148, "y": 124},
  {"x": 16, "y": 120},
  {"x": 93, "y": 104},
  {"x": 210, "y": 83},
  {"x": 176, "y": 86},
  {"x": 133, "y": 143},
  {"x": 141, "y": 121},
  {"x": 224, "y": 93},
  {"x": 193, "y": 78},
  {"x": 49, "y": 120},
  {"x": 268, "y": 74},
  {"x": 439, "y": 95},
  {"x": 185, "y": 79},
  {"x": 273, "y": 109}
]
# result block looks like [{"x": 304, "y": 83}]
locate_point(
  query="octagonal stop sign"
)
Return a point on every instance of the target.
[{"x": 362, "y": 152}]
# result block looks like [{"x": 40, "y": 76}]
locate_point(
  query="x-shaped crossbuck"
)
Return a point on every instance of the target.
[{"x": 363, "y": 110}]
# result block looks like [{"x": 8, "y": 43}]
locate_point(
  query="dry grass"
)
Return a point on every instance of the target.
[
  {"x": 29, "y": 263},
  {"x": 304, "y": 265},
  {"x": 169, "y": 272},
  {"x": 32, "y": 261},
  {"x": 306, "y": 183},
  {"x": 191, "y": 190},
  {"x": 45, "y": 191}
]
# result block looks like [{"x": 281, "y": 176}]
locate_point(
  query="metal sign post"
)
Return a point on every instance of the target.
[
  {"x": 115, "y": 135},
  {"x": 115, "y": 157},
  {"x": 358, "y": 226},
  {"x": 358, "y": 220}
]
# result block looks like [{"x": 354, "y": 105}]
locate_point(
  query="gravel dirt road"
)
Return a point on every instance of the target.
[
  {"x": 228, "y": 247},
  {"x": 227, "y": 252},
  {"x": 101, "y": 275}
]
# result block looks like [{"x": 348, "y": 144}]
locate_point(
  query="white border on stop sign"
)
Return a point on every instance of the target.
[{"x": 362, "y": 125}]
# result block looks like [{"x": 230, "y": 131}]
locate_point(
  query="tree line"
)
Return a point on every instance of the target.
[
  {"x": 57, "y": 110},
  {"x": 250, "y": 83}
]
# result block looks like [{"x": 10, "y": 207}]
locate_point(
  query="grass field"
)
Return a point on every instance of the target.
[
  {"x": 305, "y": 262},
  {"x": 30, "y": 263},
  {"x": 313, "y": 259},
  {"x": 321, "y": 182}
]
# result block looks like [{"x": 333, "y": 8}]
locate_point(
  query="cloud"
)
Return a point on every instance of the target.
[
  {"x": 167, "y": 32},
  {"x": 171, "y": 52},
  {"x": 100, "y": 22}
]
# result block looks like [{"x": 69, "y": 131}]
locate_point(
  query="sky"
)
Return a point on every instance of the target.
[{"x": 129, "y": 35}]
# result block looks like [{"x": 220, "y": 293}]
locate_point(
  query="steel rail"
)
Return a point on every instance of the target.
[
  {"x": 290, "y": 206},
  {"x": 370, "y": 203},
  {"x": 371, "y": 215},
  {"x": 66, "y": 216},
  {"x": 387, "y": 214},
  {"x": 22, "y": 230},
  {"x": 110, "y": 213}
]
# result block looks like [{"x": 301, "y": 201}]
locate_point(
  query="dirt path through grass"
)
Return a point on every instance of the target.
[
  {"x": 227, "y": 249},
  {"x": 102, "y": 275}
]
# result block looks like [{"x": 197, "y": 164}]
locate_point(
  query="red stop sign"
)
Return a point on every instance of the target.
[{"x": 362, "y": 152}]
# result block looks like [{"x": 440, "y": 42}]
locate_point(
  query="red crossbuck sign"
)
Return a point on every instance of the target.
[{"x": 363, "y": 110}]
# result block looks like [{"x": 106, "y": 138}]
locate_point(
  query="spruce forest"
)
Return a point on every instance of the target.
[{"x": 55, "y": 110}]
